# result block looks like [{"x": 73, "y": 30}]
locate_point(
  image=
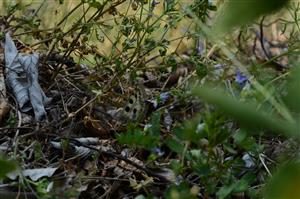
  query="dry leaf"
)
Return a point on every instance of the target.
[{"x": 22, "y": 77}]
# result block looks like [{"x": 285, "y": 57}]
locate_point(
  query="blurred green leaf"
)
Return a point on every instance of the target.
[
  {"x": 246, "y": 114},
  {"x": 181, "y": 191},
  {"x": 243, "y": 140},
  {"x": 154, "y": 129},
  {"x": 6, "y": 167},
  {"x": 188, "y": 131},
  {"x": 238, "y": 186},
  {"x": 293, "y": 97},
  {"x": 224, "y": 191},
  {"x": 285, "y": 183},
  {"x": 238, "y": 12},
  {"x": 135, "y": 137},
  {"x": 149, "y": 138},
  {"x": 176, "y": 166},
  {"x": 174, "y": 145},
  {"x": 216, "y": 129}
]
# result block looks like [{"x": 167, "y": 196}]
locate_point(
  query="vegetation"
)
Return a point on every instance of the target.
[{"x": 155, "y": 99}]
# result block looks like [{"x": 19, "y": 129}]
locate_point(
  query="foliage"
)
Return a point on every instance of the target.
[
  {"x": 206, "y": 126},
  {"x": 239, "y": 12},
  {"x": 6, "y": 167}
]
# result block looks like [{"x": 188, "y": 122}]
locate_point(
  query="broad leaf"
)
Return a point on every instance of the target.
[
  {"x": 238, "y": 12},
  {"x": 285, "y": 183},
  {"x": 174, "y": 145},
  {"x": 6, "y": 167},
  {"x": 246, "y": 114},
  {"x": 22, "y": 77},
  {"x": 34, "y": 174},
  {"x": 293, "y": 97}
]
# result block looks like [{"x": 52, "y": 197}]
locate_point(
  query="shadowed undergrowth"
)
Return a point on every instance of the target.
[{"x": 153, "y": 99}]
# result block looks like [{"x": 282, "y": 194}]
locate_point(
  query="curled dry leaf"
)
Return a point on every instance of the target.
[
  {"x": 33, "y": 174},
  {"x": 167, "y": 174},
  {"x": 73, "y": 150},
  {"x": 144, "y": 183},
  {"x": 88, "y": 140},
  {"x": 95, "y": 127},
  {"x": 4, "y": 107},
  {"x": 22, "y": 77}
]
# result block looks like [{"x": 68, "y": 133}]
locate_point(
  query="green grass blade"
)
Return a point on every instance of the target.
[{"x": 246, "y": 114}]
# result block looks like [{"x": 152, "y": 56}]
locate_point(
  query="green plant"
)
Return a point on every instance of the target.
[
  {"x": 208, "y": 150},
  {"x": 6, "y": 166}
]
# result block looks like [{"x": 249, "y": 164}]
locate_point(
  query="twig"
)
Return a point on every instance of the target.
[
  {"x": 261, "y": 38},
  {"x": 85, "y": 105},
  {"x": 14, "y": 128},
  {"x": 16, "y": 138},
  {"x": 114, "y": 155},
  {"x": 108, "y": 153},
  {"x": 264, "y": 164}
]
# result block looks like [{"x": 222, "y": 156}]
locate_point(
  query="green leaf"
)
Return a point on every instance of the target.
[
  {"x": 246, "y": 142},
  {"x": 6, "y": 167},
  {"x": 293, "y": 97},
  {"x": 285, "y": 183},
  {"x": 188, "y": 131},
  {"x": 238, "y": 12},
  {"x": 246, "y": 114},
  {"x": 174, "y": 145},
  {"x": 94, "y": 4},
  {"x": 154, "y": 129},
  {"x": 180, "y": 191},
  {"x": 238, "y": 186},
  {"x": 135, "y": 137},
  {"x": 224, "y": 191}
]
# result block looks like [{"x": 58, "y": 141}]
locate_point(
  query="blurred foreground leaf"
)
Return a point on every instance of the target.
[
  {"x": 238, "y": 12},
  {"x": 6, "y": 166},
  {"x": 293, "y": 97},
  {"x": 246, "y": 114},
  {"x": 285, "y": 183}
]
